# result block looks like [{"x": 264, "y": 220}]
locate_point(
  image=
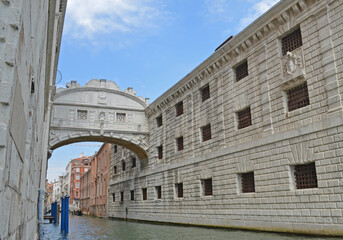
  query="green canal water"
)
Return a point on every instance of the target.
[{"x": 86, "y": 228}]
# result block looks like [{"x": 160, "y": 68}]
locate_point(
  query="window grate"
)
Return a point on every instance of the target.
[
  {"x": 179, "y": 108},
  {"x": 291, "y": 42},
  {"x": 208, "y": 187},
  {"x": 160, "y": 152},
  {"x": 115, "y": 148},
  {"x": 179, "y": 142},
  {"x": 132, "y": 195},
  {"x": 159, "y": 192},
  {"x": 248, "y": 182},
  {"x": 133, "y": 162},
  {"x": 123, "y": 165},
  {"x": 115, "y": 169},
  {"x": 241, "y": 71},
  {"x": 297, "y": 97},
  {"x": 144, "y": 192},
  {"x": 205, "y": 93},
  {"x": 244, "y": 118},
  {"x": 305, "y": 176},
  {"x": 159, "y": 121},
  {"x": 122, "y": 196},
  {"x": 206, "y": 132},
  {"x": 179, "y": 187}
]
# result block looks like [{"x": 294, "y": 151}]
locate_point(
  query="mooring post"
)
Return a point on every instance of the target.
[
  {"x": 62, "y": 213},
  {"x": 67, "y": 213}
]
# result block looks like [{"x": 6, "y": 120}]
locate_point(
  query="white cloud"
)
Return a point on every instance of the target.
[
  {"x": 257, "y": 10},
  {"x": 88, "y": 18}
]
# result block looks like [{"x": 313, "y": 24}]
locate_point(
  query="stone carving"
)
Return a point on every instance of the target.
[
  {"x": 102, "y": 98},
  {"x": 102, "y": 115},
  {"x": 292, "y": 62}
]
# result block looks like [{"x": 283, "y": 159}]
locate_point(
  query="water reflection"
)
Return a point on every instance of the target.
[{"x": 96, "y": 228}]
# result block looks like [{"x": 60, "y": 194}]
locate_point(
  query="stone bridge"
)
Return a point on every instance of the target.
[{"x": 99, "y": 111}]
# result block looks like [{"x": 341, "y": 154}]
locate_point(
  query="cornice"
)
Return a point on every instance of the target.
[{"x": 252, "y": 35}]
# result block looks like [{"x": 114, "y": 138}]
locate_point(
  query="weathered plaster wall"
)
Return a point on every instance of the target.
[
  {"x": 277, "y": 139},
  {"x": 24, "y": 77}
]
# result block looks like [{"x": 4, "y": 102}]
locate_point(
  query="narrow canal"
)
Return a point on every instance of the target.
[{"x": 86, "y": 228}]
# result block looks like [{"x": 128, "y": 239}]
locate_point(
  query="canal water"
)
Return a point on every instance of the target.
[{"x": 87, "y": 228}]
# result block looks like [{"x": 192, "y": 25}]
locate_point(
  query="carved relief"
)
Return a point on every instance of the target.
[
  {"x": 293, "y": 65},
  {"x": 121, "y": 117},
  {"x": 292, "y": 62},
  {"x": 301, "y": 153}
]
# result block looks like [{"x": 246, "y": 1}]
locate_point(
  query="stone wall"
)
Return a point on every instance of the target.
[
  {"x": 29, "y": 46},
  {"x": 272, "y": 147}
]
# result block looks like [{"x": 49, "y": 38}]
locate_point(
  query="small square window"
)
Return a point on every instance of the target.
[
  {"x": 248, "y": 182},
  {"x": 82, "y": 114},
  {"x": 179, "y": 108},
  {"x": 291, "y": 42},
  {"x": 206, "y": 132},
  {"x": 158, "y": 190},
  {"x": 122, "y": 196},
  {"x": 179, "y": 190},
  {"x": 113, "y": 197},
  {"x": 244, "y": 118},
  {"x": 297, "y": 97},
  {"x": 305, "y": 176},
  {"x": 123, "y": 165},
  {"x": 115, "y": 169},
  {"x": 160, "y": 152},
  {"x": 179, "y": 143},
  {"x": 132, "y": 195},
  {"x": 242, "y": 71},
  {"x": 144, "y": 194},
  {"x": 205, "y": 92},
  {"x": 207, "y": 186},
  {"x": 159, "y": 121},
  {"x": 121, "y": 117},
  {"x": 133, "y": 160}
]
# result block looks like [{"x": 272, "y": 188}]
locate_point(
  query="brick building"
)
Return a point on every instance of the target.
[
  {"x": 85, "y": 192},
  {"x": 251, "y": 138},
  {"x": 79, "y": 166},
  {"x": 99, "y": 180}
]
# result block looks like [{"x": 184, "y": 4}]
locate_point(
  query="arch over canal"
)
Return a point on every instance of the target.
[{"x": 101, "y": 112}]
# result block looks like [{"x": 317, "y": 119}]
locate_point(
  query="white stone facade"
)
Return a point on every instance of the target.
[
  {"x": 30, "y": 35},
  {"x": 277, "y": 141}
]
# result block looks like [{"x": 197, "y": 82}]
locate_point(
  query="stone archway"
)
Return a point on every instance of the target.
[{"x": 99, "y": 111}]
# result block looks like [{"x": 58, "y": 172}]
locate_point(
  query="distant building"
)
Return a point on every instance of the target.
[
  {"x": 78, "y": 167},
  {"x": 95, "y": 183},
  {"x": 48, "y": 197},
  {"x": 57, "y": 190}
]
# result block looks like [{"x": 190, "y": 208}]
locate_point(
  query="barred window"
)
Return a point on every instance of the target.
[
  {"x": 179, "y": 143},
  {"x": 207, "y": 187},
  {"x": 179, "y": 190},
  {"x": 179, "y": 108},
  {"x": 115, "y": 169},
  {"x": 297, "y": 97},
  {"x": 205, "y": 93},
  {"x": 122, "y": 196},
  {"x": 248, "y": 182},
  {"x": 291, "y": 42},
  {"x": 144, "y": 193},
  {"x": 206, "y": 132},
  {"x": 133, "y": 160},
  {"x": 123, "y": 165},
  {"x": 82, "y": 114},
  {"x": 244, "y": 118},
  {"x": 160, "y": 152},
  {"x": 242, "y": 71},
  {"x": 305, "y": 176},
  {"x": 115, "y": 148},
  {"x": 158, "y": 192},
  {"x": 132, "y": 195},
  {"x": 159, "y": 121},
  {"x": 113, "y": 197},
  {"x": 121, "y": 117}
]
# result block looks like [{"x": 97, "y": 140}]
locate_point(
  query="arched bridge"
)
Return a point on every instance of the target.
[{"x": 99, "y": 111}]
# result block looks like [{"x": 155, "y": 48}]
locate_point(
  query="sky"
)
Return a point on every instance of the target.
[{"x": 146, "y": 44}]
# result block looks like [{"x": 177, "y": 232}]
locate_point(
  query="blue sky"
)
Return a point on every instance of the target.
[{"x": 146, "y": 44}]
